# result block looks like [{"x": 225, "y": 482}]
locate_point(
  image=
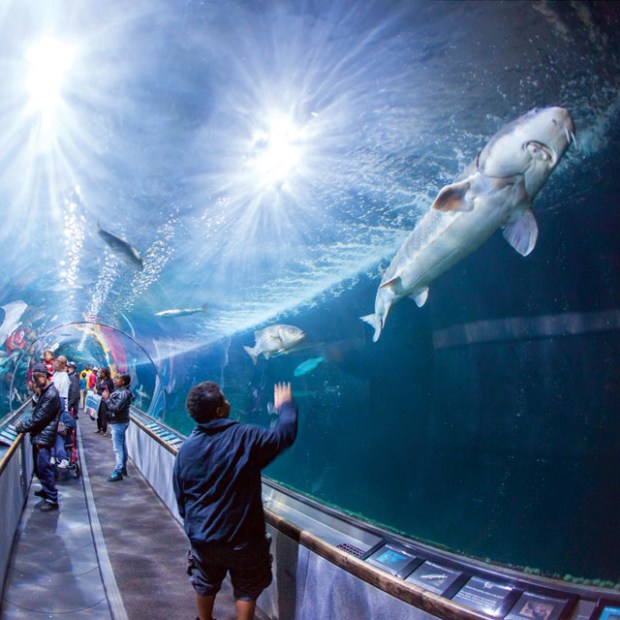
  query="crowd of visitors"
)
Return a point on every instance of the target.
[
  {"x": 59, "y": 392},
  {"x": 216, "y": 477}
]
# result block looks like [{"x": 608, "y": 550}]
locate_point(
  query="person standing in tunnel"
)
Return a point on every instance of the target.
[
  {"x": 104, "y": 382},
  {"x": 48, "y": 360},
  {"x": 74, "y": 390},
  {"x": 92, "y": 378},
  {"x": 84, "y": 379},
  {"x": 117, "y": 410},
  {"x": 61, "y": 380},
  {"x": 43, "y": 427},
  {"x": 217, "y": 483}
]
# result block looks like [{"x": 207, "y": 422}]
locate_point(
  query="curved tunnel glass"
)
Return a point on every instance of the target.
[
  {"x": 221, "y": 190},
  {"x": 87, "y": 344}
]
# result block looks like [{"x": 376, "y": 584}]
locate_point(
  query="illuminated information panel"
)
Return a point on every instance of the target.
[
  {"x": 610, "y": 612},
  {"x": 434, "y": 577},
  {"x": 8, "y": 435},
  {"x": 531, "y": 606},
  {"x": 484, "y": 595},
  {"x": 392, "y": 559}
]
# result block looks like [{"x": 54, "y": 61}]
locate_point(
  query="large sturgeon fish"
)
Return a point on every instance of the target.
[{"x": 495, "y": 191}]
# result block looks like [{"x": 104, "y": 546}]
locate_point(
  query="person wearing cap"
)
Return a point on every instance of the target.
[{"x": 43, "y": 427}]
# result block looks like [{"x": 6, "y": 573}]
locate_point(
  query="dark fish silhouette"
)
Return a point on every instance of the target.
[{"x": 121, "y": 248}]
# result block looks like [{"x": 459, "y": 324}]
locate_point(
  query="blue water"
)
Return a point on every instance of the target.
[{"x": 267, "y": 160}]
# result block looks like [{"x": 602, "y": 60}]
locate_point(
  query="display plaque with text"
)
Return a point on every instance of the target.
[
  {"x": 483, "y": 595},
  {"x": 434, "y": 577},
  {"x": 531, "y": 606},
  {"x": 610, "y": 612},
  {"x": 391, "y": 559},
  {"x": 8, "y": 435}
]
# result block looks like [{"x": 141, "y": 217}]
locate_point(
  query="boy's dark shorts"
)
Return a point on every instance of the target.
[{"x": 249, "y": 566}]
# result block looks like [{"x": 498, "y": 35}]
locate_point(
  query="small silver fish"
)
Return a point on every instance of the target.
[
  {"x": 175, "y": 312},
  {"x": 121, "y": 248},
  {"x": 275, "y": 339}
]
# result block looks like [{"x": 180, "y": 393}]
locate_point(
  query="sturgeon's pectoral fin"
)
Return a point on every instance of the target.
[
  {"x": 250, "y": 351},
  {"x": 390, "y": 283},
  {"x": 452, "y": 197},
  {"x": 523, "y": 233},
  {"x": 375, "y": 321},
  {"x": 420, "y": 298}
]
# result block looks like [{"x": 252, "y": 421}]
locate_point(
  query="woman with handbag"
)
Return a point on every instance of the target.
[{"x": 104, "y": 383}]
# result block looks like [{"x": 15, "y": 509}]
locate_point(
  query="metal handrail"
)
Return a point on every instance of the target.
[
  {"x": 8, "y": 455},
  {"x": 410, "y": 593}
]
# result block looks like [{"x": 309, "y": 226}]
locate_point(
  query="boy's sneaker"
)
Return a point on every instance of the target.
[
  {"x": 115, "y": 477},
  {"x": 41, "y": 493},
  {"x": 124, "y": 471}
]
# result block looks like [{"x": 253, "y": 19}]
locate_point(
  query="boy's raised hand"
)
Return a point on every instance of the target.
[{"x": 282, "y": 393}]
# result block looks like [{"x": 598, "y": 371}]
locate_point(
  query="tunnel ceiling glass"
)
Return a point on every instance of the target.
[{"x": 187, "y": 174}]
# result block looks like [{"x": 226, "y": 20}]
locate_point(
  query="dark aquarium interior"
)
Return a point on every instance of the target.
[{"x": 221, "y": 190}]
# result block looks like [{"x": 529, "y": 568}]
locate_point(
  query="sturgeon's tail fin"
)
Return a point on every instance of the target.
[
  {"x": 250, "y": 351},
  {"x": 375, "y": 321}
]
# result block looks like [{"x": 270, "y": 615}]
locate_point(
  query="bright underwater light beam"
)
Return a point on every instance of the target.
[
  {"x": 306, "y": 158},
  {"x": 276, "y": 150},
  {"x": 50, "y": 60}
]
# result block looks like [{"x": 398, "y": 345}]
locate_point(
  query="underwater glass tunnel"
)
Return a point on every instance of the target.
[{"x": 209, "y": 190}]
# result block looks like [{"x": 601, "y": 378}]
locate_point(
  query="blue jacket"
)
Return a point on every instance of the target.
[{"x": 217, "y": 477}]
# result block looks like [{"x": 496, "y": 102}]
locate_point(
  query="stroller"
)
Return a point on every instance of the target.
[
  {"x": 67, "y": 430},
  {"x": 72, "y": 453}
]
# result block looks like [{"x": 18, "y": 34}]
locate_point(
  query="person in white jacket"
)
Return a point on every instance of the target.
[{"x": 61, "y": 380}]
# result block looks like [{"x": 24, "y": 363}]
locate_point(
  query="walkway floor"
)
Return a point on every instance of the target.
[{"x": 113, "y": 550}]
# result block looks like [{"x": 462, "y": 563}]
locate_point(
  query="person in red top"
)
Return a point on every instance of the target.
[
  {"x": 48, "y": 360},
  {"x": 92, "y": 378}
]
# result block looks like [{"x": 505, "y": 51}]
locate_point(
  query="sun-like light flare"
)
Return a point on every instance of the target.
[{"x": 50, "y": 60}]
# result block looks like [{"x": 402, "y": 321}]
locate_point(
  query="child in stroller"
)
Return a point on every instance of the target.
[{"x": 66, "y": 447}]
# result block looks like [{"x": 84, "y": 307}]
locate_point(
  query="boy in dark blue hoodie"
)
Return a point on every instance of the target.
[{"x": 217, "y": 482}]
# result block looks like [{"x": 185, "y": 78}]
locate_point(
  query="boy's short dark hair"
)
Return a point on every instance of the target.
[{"x": 203, "y": 400}]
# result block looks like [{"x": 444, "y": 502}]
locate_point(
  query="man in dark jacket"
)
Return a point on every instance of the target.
[
  {"x": 74, "y": 390},
  {"x": 43, "y": 427},
  {"x": 217, "y": 483}
]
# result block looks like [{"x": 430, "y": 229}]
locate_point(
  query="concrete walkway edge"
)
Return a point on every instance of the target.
[{"x": 115, "y": 601}]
